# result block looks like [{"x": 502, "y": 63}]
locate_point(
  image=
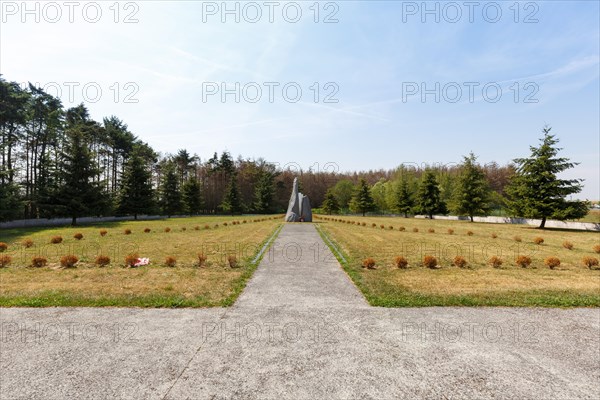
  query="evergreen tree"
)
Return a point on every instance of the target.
[
  {"x": 136, "y": 195},
  {"x": 231, "y": 203},
  {"x": 79, "y": 195},
  {"x": 472, "y": 192},
  {"x": 362, "y": 201},
  {"x": 536, "y": 191},
  {"x": 10, "y": 202},
  {"x": 428, "y": 196},
  {"x": 192, "y": 196},
  {"x": 170, "y": 195},
  {"x": 263, "y": 194},
  {"x": 404, "y": 200},
  {"x": 330, "y": 204}
]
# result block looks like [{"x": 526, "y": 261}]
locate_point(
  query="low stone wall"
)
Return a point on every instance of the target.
[
  {"x": 30, "y": 223},
  {"x": 584, "y": 226}
]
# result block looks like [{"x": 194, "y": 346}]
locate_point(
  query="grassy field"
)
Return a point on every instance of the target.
[
  {"x": 592, "y": 216},
  {"x": 477, "y": 284},
  {"x": 156, "y": 285}
]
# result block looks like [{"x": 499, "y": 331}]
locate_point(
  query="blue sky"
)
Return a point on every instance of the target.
[{"x": 373, "y": 55}]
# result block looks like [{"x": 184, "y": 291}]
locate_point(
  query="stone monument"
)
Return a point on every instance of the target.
[{"x": 299, "y": 209}]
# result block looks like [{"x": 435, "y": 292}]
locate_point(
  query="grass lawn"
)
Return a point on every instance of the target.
[
  {"x": 154, "y": 285},
  {"x": 592, "y": 216},
  {"x": 571, "y": 284}
]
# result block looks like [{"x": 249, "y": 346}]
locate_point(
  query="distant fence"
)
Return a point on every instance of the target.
[
  {"x": 30, "y": 223},
  {"x": 585, "y": 226}
]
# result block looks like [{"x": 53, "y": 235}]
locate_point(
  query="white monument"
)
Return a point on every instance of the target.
[{"x": 299, "y": 209}]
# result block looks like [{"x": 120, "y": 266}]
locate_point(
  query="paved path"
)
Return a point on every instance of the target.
[{"x": 300, "y": 330}]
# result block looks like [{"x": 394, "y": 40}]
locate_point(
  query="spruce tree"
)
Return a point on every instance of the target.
[
  {"x": 536, "y": 192},
  {"x": 192, "y": 197},
  {"x": 263, "y": 193},
  {"x": 472, "y": 192},
  {"x": 78, "y": 194},
  {"x": 170, "y": 196},
  {"x": 231, "y": 202},
  {"x": 330, "y": 204},
  {"x": 136, "y": 195},
  {"x": 362, "y": 201},
  {"x": 428, "y": 195},
  {"x": 404, "y": 200}
]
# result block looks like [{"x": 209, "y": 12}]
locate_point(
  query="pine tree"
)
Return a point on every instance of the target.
[
  {"x": 170, "y": 195},
  {"x": 362, "y": 201},
  {"x": 472, "y": 192},
  {"x": 78, "y": 194},
  {"x": 231, "y": 202},
  {"x": 192, "y": 197},
  {"x": 404, "y": 201},
  {"x": 428, "y": 195},
  {"x": 263, "y": 193},
  {"x": 136, "y": 195},
  {"x": 330, "y": 204},
  {"x": 536, "y": 191},
  {"x": 10, "y": 202}
]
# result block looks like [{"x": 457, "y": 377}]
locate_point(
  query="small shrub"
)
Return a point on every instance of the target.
[
  {"x": 232, "y": 260},
  {"x": 552, "y": 262},
  {"x": 368, "y": 263},
  {"x": 374, "y": 225},
  {"x": 131, "y": 259},
  {"x": 39, "y": 262},
  {"x": 431, "y": 230},
  {"x": 216, "y": 225},
  {"x": 5, "y": 259},
  {"x": 127, "y": 231},
  {"x": 430, "y": 262},
  {"x": 590, "y": 262},
  {"x": 170, "y": 261},
  {"x": 224, "y": 223},
  {"x": 382, "y": 226},
  {"x": 56, "y": 240},
  {"x": 470, "y": 233},
  {"x": 568, "y": 245},
  {"x": 102, "y": 261},
  {"x": 495, "y": 262},
  {"x": 69, "y": 261},
  {"x": 196, "y": 228},
  {"x": 517, "y": 238},
  {"x": 402, "y": 229},
  {"x": 27, "y": 243},
  {"x": 538, "y": 240},
  {"x": 147, "y": 230},
  {"x": 206, "y": 226},
  {"x": 201, "y": 259},
  {"x": 597, "y": 248},
  {"x": 494, "y": 235},
  {"x": 3, "y": 247},
  {"x": 78, "y": 236},
  {"x": 244, "y": 221},
  {"x": 103, "y": 232},
  {"x": 363, "y": 224},
  {"x": 401, "y": 262},
  {"x": 415, "y": 230},
  {"x": 167, "y": 230},
  {"x": 391, "y": 228},
  {"x": 183, "y": 229},
  {"x": 523, "y": 261},
  {"x": 450, "y": 231},
  {"x": 459, "y": 262}
]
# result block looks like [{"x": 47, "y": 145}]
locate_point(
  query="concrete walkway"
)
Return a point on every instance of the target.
[{"x": 300, "y": 330}]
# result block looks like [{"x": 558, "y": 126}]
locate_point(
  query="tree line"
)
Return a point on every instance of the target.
[{"x": 59, "y": 162}]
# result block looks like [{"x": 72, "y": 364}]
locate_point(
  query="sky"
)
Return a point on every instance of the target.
[{"x": 344, "y": 85}]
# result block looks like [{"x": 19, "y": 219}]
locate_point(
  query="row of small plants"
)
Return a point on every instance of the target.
[
  {"x": 27, "y": 243},
  {"x": 130, "y": 261},
  {"x": 496, "y": 262},
  {"x": 537, "y": 240}
]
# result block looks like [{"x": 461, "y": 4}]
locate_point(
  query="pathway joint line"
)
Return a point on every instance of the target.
[
  {"x": 333, "y": 246},
  {"x": 273, "y": 236}
]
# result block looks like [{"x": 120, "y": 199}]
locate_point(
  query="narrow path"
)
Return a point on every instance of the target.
[{"x": 299, "y": 271}]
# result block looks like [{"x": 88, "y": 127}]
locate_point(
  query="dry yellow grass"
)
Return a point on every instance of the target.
[
  {"x": 152, "y": 285},
  {"x": 479, "y": 283}
]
